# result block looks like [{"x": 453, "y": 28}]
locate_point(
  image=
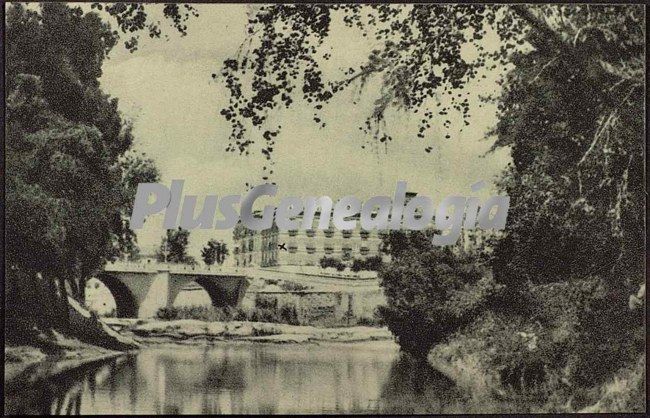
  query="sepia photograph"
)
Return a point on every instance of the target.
[{"x": 324, "y": 208}]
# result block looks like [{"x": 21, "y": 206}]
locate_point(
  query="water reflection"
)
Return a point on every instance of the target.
[{"x": 248, "y": 378}]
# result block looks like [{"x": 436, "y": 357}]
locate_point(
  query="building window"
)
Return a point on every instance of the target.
[
  {"x": 329, "y": 233},
  {"x": 250, "y": 245},
  {"x": 310, "y": 232},
  {"x": 364, "y": 234},
  {"x": 293, "y": 232},
  {"x": 364, "y": 250},
  {"x": 346, "y": 234},
  {"x": 292, "y": 249},
  {"x": 311, "y": 250},
  {"x": 347, "y": 253},
  {"x": 329, "y": 250}
]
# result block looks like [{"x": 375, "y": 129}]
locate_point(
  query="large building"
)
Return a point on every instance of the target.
[{"x": 272, "y": 247}]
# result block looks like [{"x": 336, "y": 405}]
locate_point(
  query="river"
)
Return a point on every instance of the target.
[{"x": 232, "y": 377}]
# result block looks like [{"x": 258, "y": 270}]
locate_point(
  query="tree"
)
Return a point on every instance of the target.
[
  {"x": 334, "y": 262},
  {"x": 373, "y": 263},
  {"x": 576, "y": 179},
  {"x": 571, "y": 110},
  {"x": 132, "y": 17},
  {"x": 173, "y": 248},
  {"x": 68, "y": 172},
  {"x": 421, "y": 55},
  {"x": 430, "y": 291},
  {"x": 214, "y": 252}
]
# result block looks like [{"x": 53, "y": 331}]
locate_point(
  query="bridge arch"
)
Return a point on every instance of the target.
[
  {"x": 225, "y": 291},
  {"x": 191, "y": 294},
  {"x": 126, "y": 303}
]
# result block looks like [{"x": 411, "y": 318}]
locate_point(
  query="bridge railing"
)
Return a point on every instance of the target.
[{"x": 152, "y": 266}]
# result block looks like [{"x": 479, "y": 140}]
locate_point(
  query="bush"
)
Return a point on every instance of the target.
[
  {"x": 429, "y": 291},
  {"x": 167, "y": 314},
  {"x": 358, "y": 265},
  {"x": 263, "y": 315},
  {"x": 326, "y": 262},
  {"x": 577, "y": 335},
  {"x": 202, "y": 313},
  {"x": 293, "y": 287},
  {"x": 373, "y": 263},
  {"x": 289, "y": 315}
]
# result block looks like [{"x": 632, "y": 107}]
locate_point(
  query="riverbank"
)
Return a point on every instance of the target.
[
  {"x": 190, "y": 330},
  {"x": 460, "y": 360},
  {"x": 27, "y": 364}
]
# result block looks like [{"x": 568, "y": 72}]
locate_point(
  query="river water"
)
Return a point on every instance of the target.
[{"x": 232, "y": 377}]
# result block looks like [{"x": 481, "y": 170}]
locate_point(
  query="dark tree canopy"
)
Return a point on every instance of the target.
[
  {"x": 214, "y": 252},
  {"x": 70, "y": 174},
  {"x": 132, "y": 18},
  {"x": 70, "y": 179},
  {"x": 420, "y": 55},
  {"x": 173, "y": 248},
  {"x": 431, "y": 292}
]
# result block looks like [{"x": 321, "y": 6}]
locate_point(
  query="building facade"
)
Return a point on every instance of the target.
[{"x": 272, "y": 247}]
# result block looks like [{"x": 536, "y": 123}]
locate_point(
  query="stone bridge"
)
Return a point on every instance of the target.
[{"x": 140, "y": 289}]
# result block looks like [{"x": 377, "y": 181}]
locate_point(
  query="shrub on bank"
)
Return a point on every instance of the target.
[
  {"x": 573, "y": 349},
  {"x": 202, "y": 313},
  {"x": 326, "y": 262},
  {"x": 430, "y": 291},
  {"x": 262, "y": 313},
  {"x": 373, "y": 263},
  {"x": 293, "y": 286}
]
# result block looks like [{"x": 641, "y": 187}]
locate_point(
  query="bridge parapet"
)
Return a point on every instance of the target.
[{"x": 131, "y": 266}]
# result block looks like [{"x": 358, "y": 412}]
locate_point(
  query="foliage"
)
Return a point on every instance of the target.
[
  {"x": 576, "y": 180},
  {"x": 573, "y": 249},
  {"x": 429, "y": 291},
  {"x": 214, "y": 252},
  {"x": 422, "y": 55},
  {"x": 283, "y": 315},
  {"x": 567, "y": 346},
  {"x": 173, "y": 248},
  {"x": 372, "y": 263},
  {"x": 69, "y": 173},
  {"x": 132, "y": 17},
  {"x": 293, "y": 286},
  {"x": 326, "y": 262},
  {"x": 202, "y": 313},
  {"x": 424, "y": 52}
]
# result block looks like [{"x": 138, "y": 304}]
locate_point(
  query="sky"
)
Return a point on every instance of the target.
[{"x": 166, "y": 89}]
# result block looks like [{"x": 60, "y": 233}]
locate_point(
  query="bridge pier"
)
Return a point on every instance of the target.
[{"x": 140, "y": 293}]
